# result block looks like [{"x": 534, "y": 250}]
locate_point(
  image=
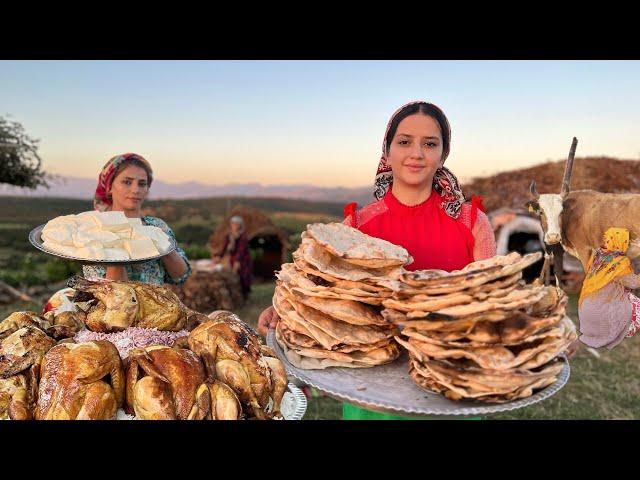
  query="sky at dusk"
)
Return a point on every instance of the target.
[{"x": 315, "y": 122}]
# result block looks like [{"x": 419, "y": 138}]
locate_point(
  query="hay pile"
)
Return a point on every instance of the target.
[{"x": 206, "y": 291}]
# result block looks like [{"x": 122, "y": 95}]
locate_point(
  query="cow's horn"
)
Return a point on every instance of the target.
[
  {"x": 568, "y": 169},
  {"x": 534, "y": 190}
]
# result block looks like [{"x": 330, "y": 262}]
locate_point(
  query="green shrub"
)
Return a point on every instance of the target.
[
  {"x": 57, "y": 270},
  {"x": 196, "y": 252},
  {"x": 193, "y": 233}
]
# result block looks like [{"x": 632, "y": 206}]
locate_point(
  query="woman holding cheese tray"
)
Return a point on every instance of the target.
[{"x": 123, "y": 185}]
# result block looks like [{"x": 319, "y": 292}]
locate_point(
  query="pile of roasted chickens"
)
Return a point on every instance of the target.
[{"x": 218, "y": 370}]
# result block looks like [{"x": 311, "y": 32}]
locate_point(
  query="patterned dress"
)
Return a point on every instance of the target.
[
  {"x": 146, "y": 272},
  {"x": 242, "y": 256}
]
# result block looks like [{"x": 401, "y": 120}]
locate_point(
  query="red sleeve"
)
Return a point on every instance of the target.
[
  {"x": 476, "y": 204},
  {"x": 350, "y": 214}
]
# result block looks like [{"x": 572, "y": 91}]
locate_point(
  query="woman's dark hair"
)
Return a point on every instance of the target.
[
  {"x": 424, "y": 108},
  {"x": 136, "y": 163}
]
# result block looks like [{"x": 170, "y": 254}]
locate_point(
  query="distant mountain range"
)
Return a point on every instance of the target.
[{"x": 76, "y": 187}]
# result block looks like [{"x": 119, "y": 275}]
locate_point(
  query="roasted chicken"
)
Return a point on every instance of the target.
[
  {"x": 162, "y": 382},
  {"x": 73, "y": 383},
  {"x": 233, "y": 353},
  {"x": 216, "y": 401},
  {"x": 18, "y": 395},
  {"x": 56, "y": 325},
  {"x": 118, "y": 305},
  {"x": 22, "y": 349}
]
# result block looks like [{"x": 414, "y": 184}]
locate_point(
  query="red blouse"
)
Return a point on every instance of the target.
[{"x": 433, "y": 238}]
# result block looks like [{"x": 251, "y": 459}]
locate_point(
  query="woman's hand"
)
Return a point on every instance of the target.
[
  {"x": 174, "y": 264},
  {"x": 117, "y": 272},
  {"x": 573, "y": 349},
  {"x": 267, "y": 319}
]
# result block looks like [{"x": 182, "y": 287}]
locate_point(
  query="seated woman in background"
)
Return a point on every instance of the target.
[
  {"x": 123, "y": 185},
  {"x": 607, "y": 309},
  {"x": 235, "y": 254}
]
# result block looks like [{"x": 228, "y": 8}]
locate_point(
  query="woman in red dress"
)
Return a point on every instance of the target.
[{"x": 419, "y": 203}]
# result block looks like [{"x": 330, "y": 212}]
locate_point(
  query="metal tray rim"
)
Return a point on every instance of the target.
[
  {"x": 545, "y": 393},
  {"x": 35, "y": 238}
]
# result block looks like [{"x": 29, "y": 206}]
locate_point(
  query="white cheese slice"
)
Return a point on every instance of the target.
[
  {"x": 90, "y": 253},
  {"x": 62, "y": 234},
  {"x": 141, "y": 248},
  {"x": 87, "y": 220},
  {"x": 108, "y": 239},
  {"x": 112, "y": 221},
  {"x": 88, "y": 217},
  {"x": 160, "y": 239},
  {"x": 114, "y": 254},
  {"x": 96, "y": 237},
  {"x": 58, "y": 248},
  {"x": 82, "y": 239},
  {"x": 63, "y": 220},
  {"x": 135, "y": 221},
  {"x": 125, "y": 234},
  {"x": 163, "y": 244}
]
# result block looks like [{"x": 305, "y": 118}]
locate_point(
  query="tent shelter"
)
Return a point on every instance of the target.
[{"x": 268, "y": 243}]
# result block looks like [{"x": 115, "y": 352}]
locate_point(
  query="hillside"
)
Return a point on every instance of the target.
[
  {"x": 511, "y": 189},
  {"x": 35, "y": 211}
]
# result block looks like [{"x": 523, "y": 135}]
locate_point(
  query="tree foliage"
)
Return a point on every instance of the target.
[{"x": 20, "y": 164}]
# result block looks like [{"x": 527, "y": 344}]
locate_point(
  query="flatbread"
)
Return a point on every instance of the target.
[
  {"x": 295, "y": 322},
  {"x": 322, "y": 260},
  {"x": 344, "y": 332},
  {"x": 356, "y": 247},
  {"x": 470, "y": 390},
  {"x": 293, "y": 279},
  {"x": 527, "y": 355},
  {"x": 456, "y": 280},
  {"x": 311, "y": 358},
  {"x": 517, "y": 299},
  {"x": 349, "y": 311}
]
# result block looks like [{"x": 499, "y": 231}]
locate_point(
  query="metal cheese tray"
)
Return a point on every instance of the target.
[{"x": 35, "y": 237}]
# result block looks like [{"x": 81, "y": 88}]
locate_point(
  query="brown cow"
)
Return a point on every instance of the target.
[{"x": 577, "y": 220}]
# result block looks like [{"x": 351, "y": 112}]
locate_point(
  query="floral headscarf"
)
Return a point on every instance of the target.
[
  {"x": 102, "y": 201},
  {"x": 607, "y": 263},
  {"x": 444, "y": 181}
]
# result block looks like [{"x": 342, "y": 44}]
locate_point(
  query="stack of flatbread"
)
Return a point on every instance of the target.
[
  {"x": 329, "y": 299},
  {"x": 481, "y": 333}
]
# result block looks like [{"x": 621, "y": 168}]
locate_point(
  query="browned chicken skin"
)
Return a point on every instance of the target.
[
  {"x": 62, "y": 325},
  {"x": 73, "y": 386},
  {"x": 22, "y": 349},
  {"x": 18, "y": 395},
  {"x": 232, "y": 353},
  {"x": 123, "y": 304},
  {"x": 173, "y": 376},
  {"x": 216, "y": 401}
]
